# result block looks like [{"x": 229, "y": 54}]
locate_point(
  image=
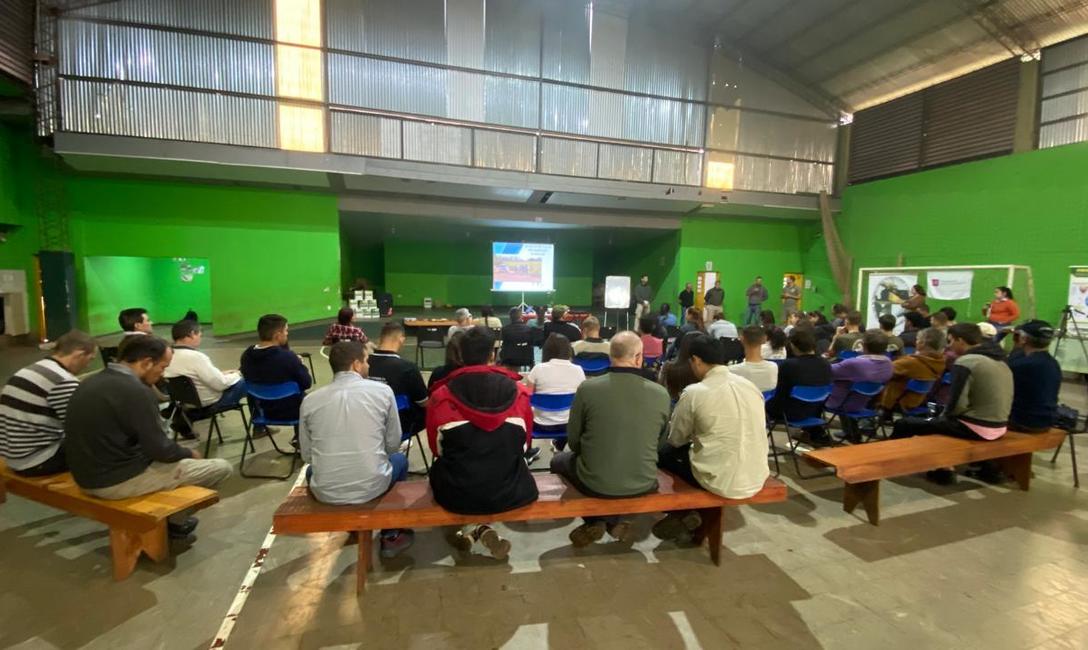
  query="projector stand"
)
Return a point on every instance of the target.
[{"x": 522, "y": 306}]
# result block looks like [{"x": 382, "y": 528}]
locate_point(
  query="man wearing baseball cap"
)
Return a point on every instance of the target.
[{"x": 1036, "y": 376}]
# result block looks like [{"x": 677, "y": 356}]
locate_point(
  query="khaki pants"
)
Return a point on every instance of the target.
[
  {"x": 641, "y": 309},
  {"x": 709, "y": 312},
  {"x": 167, "y": 476}
]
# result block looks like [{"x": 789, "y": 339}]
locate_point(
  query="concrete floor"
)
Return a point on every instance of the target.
[{"x": 968, "y": 566}]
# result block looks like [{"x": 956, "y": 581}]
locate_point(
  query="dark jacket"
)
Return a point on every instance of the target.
[
  {"x": 982, "y": 386},
  {"x": 479, "y": 467},
  {"x": 517, "y": 345},
  {"x": 805, "y": 370},
  {"x": 1037, "y": 379},
  {"x": 275, "y": 365},
  {"x": 569, "y": 330},
  {"x": 113, "y": 430}
]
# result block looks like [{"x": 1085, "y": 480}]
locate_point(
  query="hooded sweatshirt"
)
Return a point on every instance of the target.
[
  {"x": 479, "y": 422},
  {"x": 982, "y": 391},
  {"x": 915, "y": 366}
]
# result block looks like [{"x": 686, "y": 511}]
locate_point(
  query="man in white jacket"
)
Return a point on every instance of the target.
[{"x": 213, "y": 386}]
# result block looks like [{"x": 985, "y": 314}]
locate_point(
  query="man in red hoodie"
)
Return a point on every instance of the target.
[{"x": 479, "y": 424}]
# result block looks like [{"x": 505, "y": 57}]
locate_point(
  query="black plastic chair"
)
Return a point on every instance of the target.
[
  {"x": 517, "y": 354},
  {"x": 430, "y": 338},
  {"x": 183, "y": 391}
]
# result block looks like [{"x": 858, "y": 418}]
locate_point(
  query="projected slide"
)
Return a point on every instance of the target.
[{"x": 522, "y": 267}]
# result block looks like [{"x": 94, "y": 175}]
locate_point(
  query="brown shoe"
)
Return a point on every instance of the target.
[
  {"x": 497, "y": 546},
  {"x": 587, "y": 534}
]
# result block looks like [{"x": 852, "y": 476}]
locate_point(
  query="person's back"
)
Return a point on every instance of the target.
[
  {"x": 615, "y": 426},
  {"x": 982, "y": 392},
  {"x": 34, "y": 404},
  {"x": 873, "y": 365},
  {"x": 926, "y": 364},
  {"x": 517, "y": 341},
  {"x": 271, "y": 362},
  {"x": 722, "y": 328},
  {"x": 762, "y": 373},
  {"x": 558, "y": 326},
  {"x": 401, "y": 375},
  {"x": 556, "y": 376},
  {"x": 347, "y": 432},
  {"x": 1037, "y": 378},
  {"x": 803, "y": 369},
  {"x": 475, "y": 432}
]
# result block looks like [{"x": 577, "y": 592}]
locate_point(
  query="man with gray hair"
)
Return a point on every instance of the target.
[
  {"x": 615, "y": 426},
  {"x": 464, "y": 322},
  {"x": 926, "y": 364}
]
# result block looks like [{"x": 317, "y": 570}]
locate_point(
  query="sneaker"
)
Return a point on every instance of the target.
[
  {"x": 622, "y": 531},
  {"x": 941, "y": 476},
  {"x": 587, "y": 534},
  {"x": 531, "y": 455},
  {"x": 394, "y": 544},
  {"x": 498, "y": 547},
  {"x": 462, "y": 541},
  {"x": 183, "y": 529},
  {"x": 678, "y": 527}
]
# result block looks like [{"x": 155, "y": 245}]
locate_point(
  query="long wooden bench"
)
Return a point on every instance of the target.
[
  {"x": 137, "y": 525},
  {"x": 410, "y": 505},
  {"x": 863, "y": 466}
]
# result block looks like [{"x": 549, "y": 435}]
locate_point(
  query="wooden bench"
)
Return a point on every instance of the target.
[
  {"x": 136, "y": 525},
  {"x": 862, "y": 466},
  {"x": 410, "y": 505}
]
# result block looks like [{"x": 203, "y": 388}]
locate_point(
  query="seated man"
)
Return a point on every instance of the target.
[
  {"x": 344, "y": 329},
  {"x": 887, "y": 325},
  {"x": 872, "y": 365},
  {"x": 517, "y": 341},
  {"x": 913, "y": 323},
  {"x": 215, "y": 387},
  {"x": 980, "y": 397},
  {"x": 591, "y": 343},
  {"x": 34, "y": 403},
  {"x": 804, "y": 368},
  {"x": 479, "y": 424},
  {"x": 559, "y": 326},
  {"x": 721, "y": 328},
  {"x": 717, "y": 436},
  {"x": 271, "y": 362},
  {"x": 847, "y": 335},
  {"x": 463, "y": 317},
  {"x": 115, "y": 441},
  {"x": 134, "y": 321},
  {"x": 665, "y": 317},
  {"x": 1036, "y": 376},
  {"x": 762, "y": 373},
  {"x": 403, "y": 376},
  {"x": 615, "y": 425},
  {"x": 926, "y": 364},
  {"x": 349, "y": 432}
]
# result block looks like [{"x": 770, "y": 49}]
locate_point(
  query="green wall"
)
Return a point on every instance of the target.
[
  {"x": 655, "y": 256},
  {"x": 17, "y": 180},
  {"x": 1029, "y": 208},
  {"x": 116, "y": 283},
  {"x": 741, "y": 249}
]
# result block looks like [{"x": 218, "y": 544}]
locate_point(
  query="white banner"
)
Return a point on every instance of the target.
[
  {"x": 886, "y": 294},
  {"x": 1078, "y": 294},
  {"x": 949, "y": 285}
]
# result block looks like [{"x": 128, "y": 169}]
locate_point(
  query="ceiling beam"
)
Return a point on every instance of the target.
[
  {"x": 815, "y": 24},
  {"x": 812, "y": 94},
  {"x": 996, "y": 21}
]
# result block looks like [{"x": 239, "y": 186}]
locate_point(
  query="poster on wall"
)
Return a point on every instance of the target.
[
  {"x": 949, "y": 285},
  {"x": 886, "y": 293},
  {"x": 1078, "y": 294}
]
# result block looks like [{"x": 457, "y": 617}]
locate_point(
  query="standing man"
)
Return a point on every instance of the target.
[
  {"x": 791, "y": 297},
  {"x": 757, "y": 295},
  {"x": 644, "y": 294},
  {"x": 686, "y": 298},
  {"x": 712, "y": 301}
]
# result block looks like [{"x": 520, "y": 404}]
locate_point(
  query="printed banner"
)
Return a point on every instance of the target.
[
  {"x": 887, "y": 292},
  {"x": 1078, "y": 294},
  {"x": 950, "y": 285}
]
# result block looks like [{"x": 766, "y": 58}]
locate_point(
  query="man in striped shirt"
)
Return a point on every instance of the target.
[{"x": 33, "y": 405}]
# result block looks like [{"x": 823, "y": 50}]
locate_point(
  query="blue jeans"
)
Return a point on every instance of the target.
[
  {"x": 398, "y": 460},
  {"x": 751, "y": 315},
  {"x": 232, "y": 396}
]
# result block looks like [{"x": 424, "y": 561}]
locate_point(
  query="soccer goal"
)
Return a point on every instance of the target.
[{"x": 880, "y": 290}]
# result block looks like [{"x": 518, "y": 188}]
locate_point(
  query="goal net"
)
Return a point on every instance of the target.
[{"x": 881, "y": 290}]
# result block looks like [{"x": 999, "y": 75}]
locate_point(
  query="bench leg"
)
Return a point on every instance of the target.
[
  {"x": 362, "y": 567},
  {"x": 126, "y": 546},
  {"x": 1019, "y": 468},
  {"x": 867, "y": 494},
  {"x": 711, "y": 531}
]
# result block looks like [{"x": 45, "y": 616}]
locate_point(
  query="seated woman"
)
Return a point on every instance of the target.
[
  {"x": 651, "y": 344},
  {"x": 677, "y": 374},
  {"x": 557, "y": 375},
  {"x": 488, "y": 319},
  {"x": 453, "y": 360},
  {"x": 343, "y": 330},
  {"x": 775, "y": 347}
]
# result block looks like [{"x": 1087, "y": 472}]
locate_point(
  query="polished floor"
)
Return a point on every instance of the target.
[{"x": 966, "y": 566}]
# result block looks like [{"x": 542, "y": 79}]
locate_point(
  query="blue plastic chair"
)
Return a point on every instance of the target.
[
  {"x": 593, "y": 366},
  {"x": 808, "y": 395},
  {"x": 650, "y": 362},
  {"x": 768, "y": 395},
  {"x": 553, "y": 403},
  {"x": 919, "y": 387},
  {"x": 848, "y": 354},
  {"x": 869, "y": 389},
  {"x": 402, "y": 405},
  {"x": 258, "y": 396},
  {"x": 908, "y": 350}
]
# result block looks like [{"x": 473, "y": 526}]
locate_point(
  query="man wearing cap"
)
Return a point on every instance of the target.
[{"x": 1036, "y": 377}]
